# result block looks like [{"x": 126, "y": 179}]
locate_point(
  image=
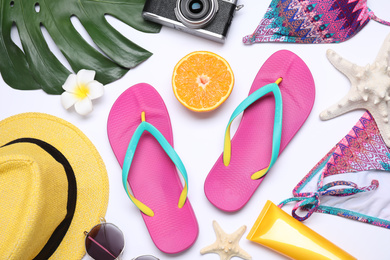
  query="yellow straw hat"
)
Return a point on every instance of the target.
[{"x": 53, "y": 187}]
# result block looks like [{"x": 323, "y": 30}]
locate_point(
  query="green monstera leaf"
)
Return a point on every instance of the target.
[{"x": 36, "y": 67}]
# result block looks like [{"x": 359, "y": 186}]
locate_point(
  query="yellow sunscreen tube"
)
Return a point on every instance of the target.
[{"x": 282, "y": 233}]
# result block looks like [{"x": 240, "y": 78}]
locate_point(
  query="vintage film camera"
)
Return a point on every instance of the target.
[{"x": 206, "y": 18}]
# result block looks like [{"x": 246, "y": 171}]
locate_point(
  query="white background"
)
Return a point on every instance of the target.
[{"x": 198, "y": 138}]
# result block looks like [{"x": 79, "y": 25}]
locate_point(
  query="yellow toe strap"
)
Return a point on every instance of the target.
[
  {"x": 183, "y": 196},
  {"x": 145, "y": 209}
]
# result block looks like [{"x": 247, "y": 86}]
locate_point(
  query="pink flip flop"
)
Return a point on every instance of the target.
[
  {"x": 268, "y": 124},
  {"x": 140, "y": 134}
]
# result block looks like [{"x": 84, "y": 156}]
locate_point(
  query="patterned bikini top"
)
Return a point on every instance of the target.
[{"x": 312, "y": 21}]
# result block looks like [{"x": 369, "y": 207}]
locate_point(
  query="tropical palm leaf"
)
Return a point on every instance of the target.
[{"x": 37, "y": 67}]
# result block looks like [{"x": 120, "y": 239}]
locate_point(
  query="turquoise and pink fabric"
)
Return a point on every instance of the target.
[
  {"x": 352, "y": 180},
  {"x": 312, "y": 21}
]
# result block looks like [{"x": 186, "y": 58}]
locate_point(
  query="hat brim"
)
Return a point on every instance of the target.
[{"x": 88, "y": 166}]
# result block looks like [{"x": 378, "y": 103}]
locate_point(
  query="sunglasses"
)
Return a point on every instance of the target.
[{"x": 105, "y": 241}]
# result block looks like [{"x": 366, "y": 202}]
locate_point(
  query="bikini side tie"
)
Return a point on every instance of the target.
[{"x": 311, "y": 200}]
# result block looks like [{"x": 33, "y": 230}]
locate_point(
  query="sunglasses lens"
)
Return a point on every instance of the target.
[
  {"x": 146, "y": 257},
  {"x": 104, "y": 242}
]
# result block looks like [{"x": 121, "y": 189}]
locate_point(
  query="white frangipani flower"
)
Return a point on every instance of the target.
[{"x": 80, "y": 89}]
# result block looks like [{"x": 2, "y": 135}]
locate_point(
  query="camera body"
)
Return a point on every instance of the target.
[{"x": 205, "y": 18}]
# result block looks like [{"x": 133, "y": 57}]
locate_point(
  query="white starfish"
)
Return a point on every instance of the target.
[
  {"x": 370, "y": 89},
  {"x": 226, "y": 245}
]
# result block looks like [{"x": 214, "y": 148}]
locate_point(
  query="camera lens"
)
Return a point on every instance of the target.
[
  {"x": 195, "y": 10},
  {"x": 196, "y": 13},
  {"x": 196, "y": 6}
]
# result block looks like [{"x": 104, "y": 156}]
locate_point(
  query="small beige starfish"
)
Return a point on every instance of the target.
[
  {"x": 226, "y": 245},
  {"x": 370, "y": 89}
]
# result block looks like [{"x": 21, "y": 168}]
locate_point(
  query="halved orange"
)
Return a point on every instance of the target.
[{"x": 202, "y": 81}]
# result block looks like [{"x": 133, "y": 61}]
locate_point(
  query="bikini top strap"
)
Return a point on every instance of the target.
[{"x": 375, "y": 18}]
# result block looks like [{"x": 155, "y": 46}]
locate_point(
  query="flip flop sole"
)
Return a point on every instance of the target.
[
  {"x": 230, "y": 187},
  {"x": 153, "y": 177}
]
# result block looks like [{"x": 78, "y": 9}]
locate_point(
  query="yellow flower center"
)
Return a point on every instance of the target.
[{"x": 82, "y": 91}]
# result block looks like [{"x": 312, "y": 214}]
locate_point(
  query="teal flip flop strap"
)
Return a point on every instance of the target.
[
  {"x": 145, "y": 126},
  {"x": 277, "y": 130}
]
